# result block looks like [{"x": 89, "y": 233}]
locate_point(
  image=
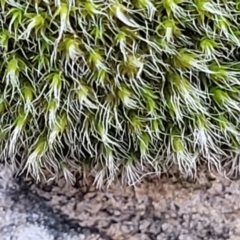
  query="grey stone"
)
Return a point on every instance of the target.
[{"x": 157, "y": 209}]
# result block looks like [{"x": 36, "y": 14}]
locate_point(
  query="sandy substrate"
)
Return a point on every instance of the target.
[{"x": 157, "y": 209}]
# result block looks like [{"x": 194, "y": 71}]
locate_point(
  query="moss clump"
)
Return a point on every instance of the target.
[{"x": 128, "y": 87}]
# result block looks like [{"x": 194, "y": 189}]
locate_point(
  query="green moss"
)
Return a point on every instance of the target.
[{"x": 90, "y": 84}]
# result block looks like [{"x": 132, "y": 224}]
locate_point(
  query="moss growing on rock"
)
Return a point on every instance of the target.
[{"x": 125, "y": 87}]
